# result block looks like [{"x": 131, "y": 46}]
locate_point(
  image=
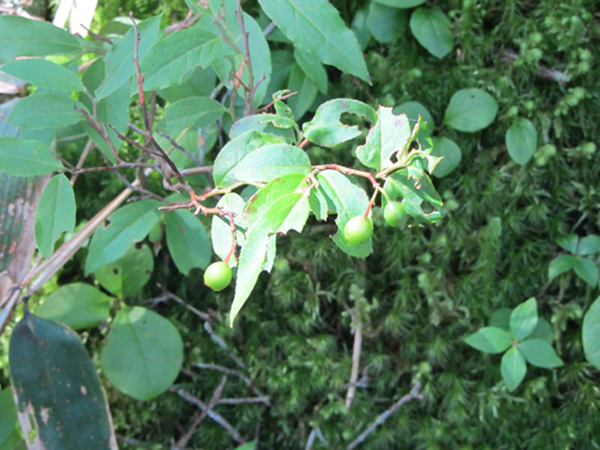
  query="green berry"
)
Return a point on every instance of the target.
[
  {"x": 217, "y": 276},
  {"x": 358, "y": 230},
  {"x": 394, "y": 214}
]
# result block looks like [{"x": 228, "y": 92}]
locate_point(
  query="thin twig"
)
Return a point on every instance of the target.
[
  {"x": 355, "y": 362},
  {"x": 221, "y": 343},
  {"x": 239, "y": 401},
  {"x": 100, "y": 131},
  {"x": 314, "y": 434},
  {"x": 236, "y": 373}
]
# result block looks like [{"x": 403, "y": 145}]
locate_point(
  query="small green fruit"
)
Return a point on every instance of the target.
[
  {"x": 358, "y": 230},
  {"x": 217, "y": 276},
  {"x": 394, "y": 214}
]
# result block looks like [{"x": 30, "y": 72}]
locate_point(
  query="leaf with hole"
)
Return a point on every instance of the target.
[{"x": 129, "y": 274}]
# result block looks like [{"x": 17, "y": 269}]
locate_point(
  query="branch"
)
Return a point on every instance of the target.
[
  {"x": 236, "y": 373},
  {"x": 316, "y": 433},
  {"x": 355, "y": 363}
]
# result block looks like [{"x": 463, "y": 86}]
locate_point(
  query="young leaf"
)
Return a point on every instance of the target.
[
  {"x": 45, "y": 111},
  {"x": 569, "y": 242},
  {"x": 23, "y": 158},
  {"x": 187, "y": 240},
  {"x": 272, "y": 161},
  {"x": 45, "y": 74},
  {"x": 127, "y": 225},
  {"x": 320, "y": 31},
  {"x": 76, "y": 305},
  {"x": 401, "y": 3},
  {"x": 591, "y": 334},
  {"x": 129, "y": 274},
  {"x": 451, "y": 154},
  {"x": 587, "y": 270},
  {"x": 326, "y": 128},
  {"x": 313, "y": 69},
  {"x": 543, "y": 331},
  {"x": 220, "y": 230},
  {"x": 385, "y": 23},
  {"x": 490, "y": 340},
  {"x": 307, "y": 92},
  {"x": 196, "y": 112},
  {"x": 389, "y": 135},
  {"x": 521, "y": 141},
  {"x": 143, "y": 353},
  {"x": 470, "y": 110},
  {"x": 524, "y": 319},
  {"x": 513, "y": 368},
  {"x": 501, "y": 318},
  {"x": 589, "y": 245},
  {"x": 560, "y": 265},
  {"x": 539, "y": 353},
  {"x": 432, "y": 29},
  {"x": 55, "y": 213}
]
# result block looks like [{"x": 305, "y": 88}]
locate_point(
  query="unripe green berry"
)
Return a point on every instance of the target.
[
  {"x": 394, "y": 214},
  {"x": 358, "y": 230},
  {"x": 217, "y": 276}
]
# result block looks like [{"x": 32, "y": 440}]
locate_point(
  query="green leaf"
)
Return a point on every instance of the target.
[
  {"x": 513, "y": 368},
  {"x": 44, "y": 74},
  {"x": 76, "y": 305},
  {"x": 171, "y": 58},
  {"x": 326, "y": 128},
  {"x": 234, "y": 152},
  {"x": 307, "y": 92},
  {"x": 413, "y": 110},
  {"x": 127, "y": 225},
  {"x": 591, "y": 334},
  {"x": 26, "y": 158},
  {"x": 287, "y": 213},
  {"x": 470, "y": 110},
  {"x": 55, "y": 213},
  {"x": 257, "y": 122},
  {"x": 143, "y": 353},
  {"x": 119, "y": 59},
  {"x": 8, "y": 414},
  {"x": 389, "y": 135},
  {"x": 247, "y": 446},
  {"x": 188, "y": 242},
  {"x": 543, "y": 331},
  {"x": 524, "y": 319},
  {"x": 196, "y": 112},
  {"x": 501, "y": 319},
  {"x": 348, "y": 199},
  {"x": 197, "y": 82},
  {"x": 432, "y": 29},
  {"x": 401, "y": 3},
  {"x": 272, "y": 161},
  {"x": 569, "y": 242},
  {"x": 490, "y": 340},
  {"x": 220, "y": 230},
  {"x": 451, "y": 153},
  {"x": 320, "y": 31},
  {"x": 560, "y": 265},
  {"x": 521, "y": 141},
  {"x": 360, "y": 28},
  {"x": 385, "y": 23},
  {"x": 313, "y": 69},
  {"x": 539, "y": 353},
  {"x": 45, "y": 111},
  {"x": 587, "y": 270},
  {"x": 129, "y": 274},
  {"x": 25, "y": 37},
  {"x": 589, "y": 245},
  {"x": 57, "y": 386}
]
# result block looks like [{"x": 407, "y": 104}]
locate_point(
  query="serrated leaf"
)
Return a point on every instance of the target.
[
  {"x": 76, "y": 305},
  {"x": 320, "y": 31},
  {"x": 432, "y": 29},
  {"x": 524, "y": 319},
  {"x": 307, "y": 92},
  {"x": 45, "y": 111},
  {"x": 313, "y": 69},
  {"x": 25, "y": 37},
  {"x": 326, "y": 128},
  {"x": 513, "y": 368},
  {"x": 143, "y": 353},
  {"x": 44, "y": 74},
  {"x": 188, "y": 242},
  {"x": 401, "y": 3},
  {"x": 539, "y": 353},
  {"x": 451, "y": 153},
  {"x": 587, "y": 270},
  {"x": 55, "y": 382},
  {"x": 23, "y": 158},
  {"x": 560, "y": 265},
  {"x": 55, "y": 213},
  {"x": 220, "y": 230},
  {"x": 470, "y": 110},
  {"x": 129, "y": 274},
  {"x": 490, "y": 340},
  {"x": 386, "y": 23},
  {"x": 521, "y": 141},
  {"x": 196, "y": 112},
  {"x": 591, "y": 334},
  {"x": 589, "y": 245},
  {"x": 568, "y": 242},
  {"x": 127, "y": 225},
  {"x": 389, "y": 135},
  {"x": 271, "y": 161}
]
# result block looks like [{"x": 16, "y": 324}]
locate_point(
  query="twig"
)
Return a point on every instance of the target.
[
  {"x": 236, "y": 373},
  {"x": 100, "y": 131},
  {"x": 200, "y": 314},
  {"x": 239, "y": 401},
  {"x": 86, "y": 151},
  {"x": 315, "y": 433},
  {"x": 355, "y": 362},
  {"x": 542, "y": 71},
  {"x": 221, "y": 343},
  {"x": 97, "y": 36}
]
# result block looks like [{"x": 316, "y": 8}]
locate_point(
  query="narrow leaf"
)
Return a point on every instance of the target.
[
  {"x": 539, "y": 353},
  {"x": 490, "y": 340},
  {"x": 470, "y": 110},
  {"x": 524, "y": 319},
  {"x": 187, "y": 240},
  {"x": 432, "y": 29},
  {"x": 521, "y": 141},
  {"x": 44, "y": 74},
  {"x": 513, "y": 368},
  {"x": 26, "y": 158},
  {"x": 46, "y": 111},
  {"x": 591, "y": 334}
]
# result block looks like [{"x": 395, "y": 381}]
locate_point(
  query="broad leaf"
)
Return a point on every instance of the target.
[
  {"x": 360, "y": 28},
  {"x": 307, "y": 92},
  {"x": 413, "y": 110},
  {"x": 432, "y": 29},
  {"x": 401, "y": 3},
  {"x": 318, "y": 29},
  {"x": 513, "y": 368},
  {"x": 490, "y": 340},
  {"x": 560, "y": 265},
  {"x": 8, "y": 414},
  {"x": 220, "y": 230},
  {"x": 197, "y": 82},
  {"x": 470, "y": 110},
  {"x": 589, "y": 245},
  {"x": 143, "y": 353},
  {"x": 44, "y": 74},
  {"x": 326, "y": 127},
  {"x": 55, "y": 213},
  {"x": 313, "y": 69},
  {"x": 46, "y": 111},
  {"x": 569, "y": 242},
  {"x": 272, "y": 161},
  {"x": 524, "y": 319},
  {"x": 26, "y": 158},
  {"x": 591, "y": 334},
  {"x": 539, "y": 353},
  {"x": 451, "y": 154},
  {"x": 129, "y": 274},
  {"x": 521, "y": 141},
  {"x": 188, "y": 242},
  {"x": 543, "y": 331},
  {"x": 501, "y": 319},
  {"x": 385, "y": 23},
  {"x": 587, "y": 270},
  {"x": 257, "y": 122},
  {"x": 196, "y": 112},
  {"x": 127, "y": 225},
  {"x": 76, "y": 305}
]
